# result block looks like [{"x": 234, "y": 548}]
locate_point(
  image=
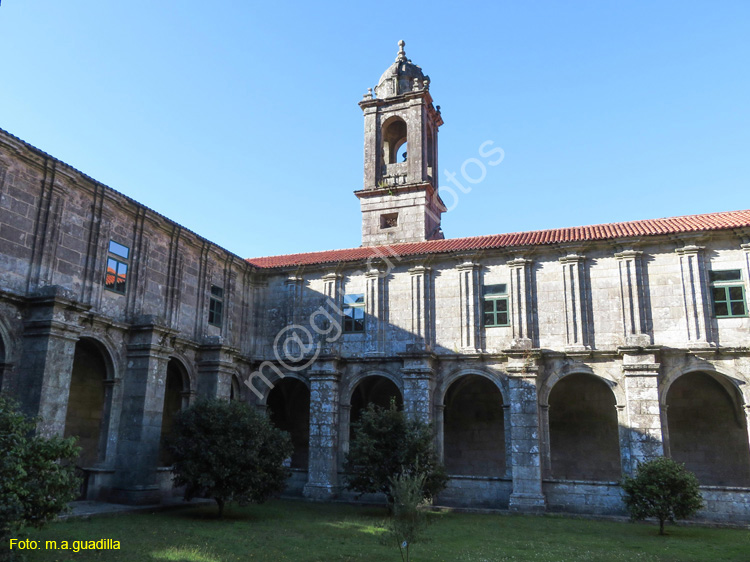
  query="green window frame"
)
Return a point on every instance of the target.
[
  {"x": 116, "y": 275},
  {"x": 728, "y": 293},
  {"x": 495, "y": 309},
  {"x": 354, "y": 313},
  {"x": 216, "y": 306}
]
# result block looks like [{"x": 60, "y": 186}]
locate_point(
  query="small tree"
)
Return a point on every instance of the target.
[
  {"x": 664, "y": 489},
  {"x": 385, "y": 444},
  {"x": 408, "y": 521},
  {"x": 37, "y": 474},
  {"x": 229, "y": 452}
]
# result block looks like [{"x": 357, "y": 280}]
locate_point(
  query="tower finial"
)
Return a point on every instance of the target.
[{"x": 401, "y": 53}]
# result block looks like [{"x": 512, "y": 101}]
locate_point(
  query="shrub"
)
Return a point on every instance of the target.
[
  {"x": 37, "y": 474},
  {"x": 664, "y": 489},
  {"x": 385, "y": 444},
  {"x": 229, "y": 452}
]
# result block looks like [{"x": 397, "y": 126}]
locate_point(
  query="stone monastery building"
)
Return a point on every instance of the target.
[{"x": 549, "y": 362}]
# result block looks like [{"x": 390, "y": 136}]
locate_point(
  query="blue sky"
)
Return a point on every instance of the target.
[{"x": 239, "y": 120}]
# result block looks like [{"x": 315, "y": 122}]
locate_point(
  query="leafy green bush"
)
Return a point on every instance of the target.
[
  {"x": 229, "y": 452},
  {"x": 37, "y": 474},
  {"x": 385, "y": 444},
  {"x": 664, "y": 489}
]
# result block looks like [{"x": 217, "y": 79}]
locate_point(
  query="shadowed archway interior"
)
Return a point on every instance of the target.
[
  {"x": 583, "y": 430},
  {"x": 474, "y": 428},
  {"x": 707, "y": 430},
  {"x": 86, "y": 413},
  {"x": 289, "y": 409}
]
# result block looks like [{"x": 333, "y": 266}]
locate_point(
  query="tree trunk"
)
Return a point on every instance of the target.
[
  {"x": 220, "y": 501},
  {"x": 661, "y": 527}
]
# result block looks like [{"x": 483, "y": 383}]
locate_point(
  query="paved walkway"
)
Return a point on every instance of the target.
[{"x": 92, "y": 508}]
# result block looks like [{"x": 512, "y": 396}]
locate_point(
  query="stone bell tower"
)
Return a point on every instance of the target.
[{"x": 400, "y": 202}]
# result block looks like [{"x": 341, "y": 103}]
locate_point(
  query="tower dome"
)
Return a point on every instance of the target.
[{"x": 401, "y": 77}]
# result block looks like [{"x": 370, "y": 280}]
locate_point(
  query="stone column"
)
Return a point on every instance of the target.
[
  {"x": 693, "y": 292},
  {"x": 468, "y": 275},
  {"x": 630, "y": 264},
  {"x": 421, "y": 310},
  {"x": 575, "y": 302},
  {"x": 215, "y": 369},
  {"x": 375, "y": 311},
  {"x": 51, "y": 331},
  {"x": 525, "y": 459},
  {"x": 140, "y": 420},
  {"x": 322, "y": 479},
  {"x": 419, "y": 386},
  {"x": 520, "y": 284},
  {"x": 643, "y": 416}
]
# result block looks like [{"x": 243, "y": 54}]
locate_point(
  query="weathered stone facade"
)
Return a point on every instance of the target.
[{"x": 548, "y": 366}]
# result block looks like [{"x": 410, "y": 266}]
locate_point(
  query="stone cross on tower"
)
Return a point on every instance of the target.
[{"x": 400, "y": 202}]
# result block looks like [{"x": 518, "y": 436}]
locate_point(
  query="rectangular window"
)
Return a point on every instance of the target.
[
  {"x": 216, "y": 306},
  {"x": 116, "y": 276},
  {"x": 495, "y": 305},
  {"x": 389, "y": 221},
  {"x": 354, "y": 314},
  {"x": 728, "y": 293}
]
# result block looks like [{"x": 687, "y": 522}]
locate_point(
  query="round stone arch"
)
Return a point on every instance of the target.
[
  {"x": 581, "y": 369},
  {"x": 109, "y": 352},
  {"x": 8, "y": 349},
  {"x": 187, "y": 371},
  {"x": 348, "y": 390},
  {"x": 275, "y": 379},
  {"x": 498, "y": 379},
  {"x": 731, "y": 380}
]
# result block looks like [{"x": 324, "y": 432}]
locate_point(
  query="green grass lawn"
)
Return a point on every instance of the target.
[{"x": 289, "y": 530}]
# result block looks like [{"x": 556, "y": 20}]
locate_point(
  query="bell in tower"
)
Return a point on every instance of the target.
[{"x": 400, "y": 202}]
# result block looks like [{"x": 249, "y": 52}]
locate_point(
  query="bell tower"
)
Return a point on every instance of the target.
[{"x": 399, "y": 201}]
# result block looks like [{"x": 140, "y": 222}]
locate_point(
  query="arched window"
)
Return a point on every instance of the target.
[{"x": 394, "y": 140}]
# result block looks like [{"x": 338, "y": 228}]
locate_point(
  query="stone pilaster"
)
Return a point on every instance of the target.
[
  {"x": 468, "y": 282},
  {"x": 520, "y": 302},
  {"x": 693, "y": 292},
  {"x": 330, "y": 344},
  {"x": 421, "y": 311},
  {"x": 375, "y": 311},
  {"x": 140, "y": 420},
  {"x": 643, "y": 432},
  {"x": 215, "y": 370},
  {"x": 293, "y": 287},
  {"x": 525, "y": 458},
  {"x": 574, "y": 291},
  {"x": 630, "y": 264},
  {"x": 322, "y": 479},
  {"x": 51, "y": 331},
  {"x": 419, "y": 386}
]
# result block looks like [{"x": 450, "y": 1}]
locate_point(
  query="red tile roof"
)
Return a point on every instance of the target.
[{"x": 653, "y": 227}]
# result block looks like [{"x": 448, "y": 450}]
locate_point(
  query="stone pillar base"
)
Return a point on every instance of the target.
[
  {"x": 137, "y": 495},
  {"x": 321, "y": 491},
  {"x": 527, "y": 503}
]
